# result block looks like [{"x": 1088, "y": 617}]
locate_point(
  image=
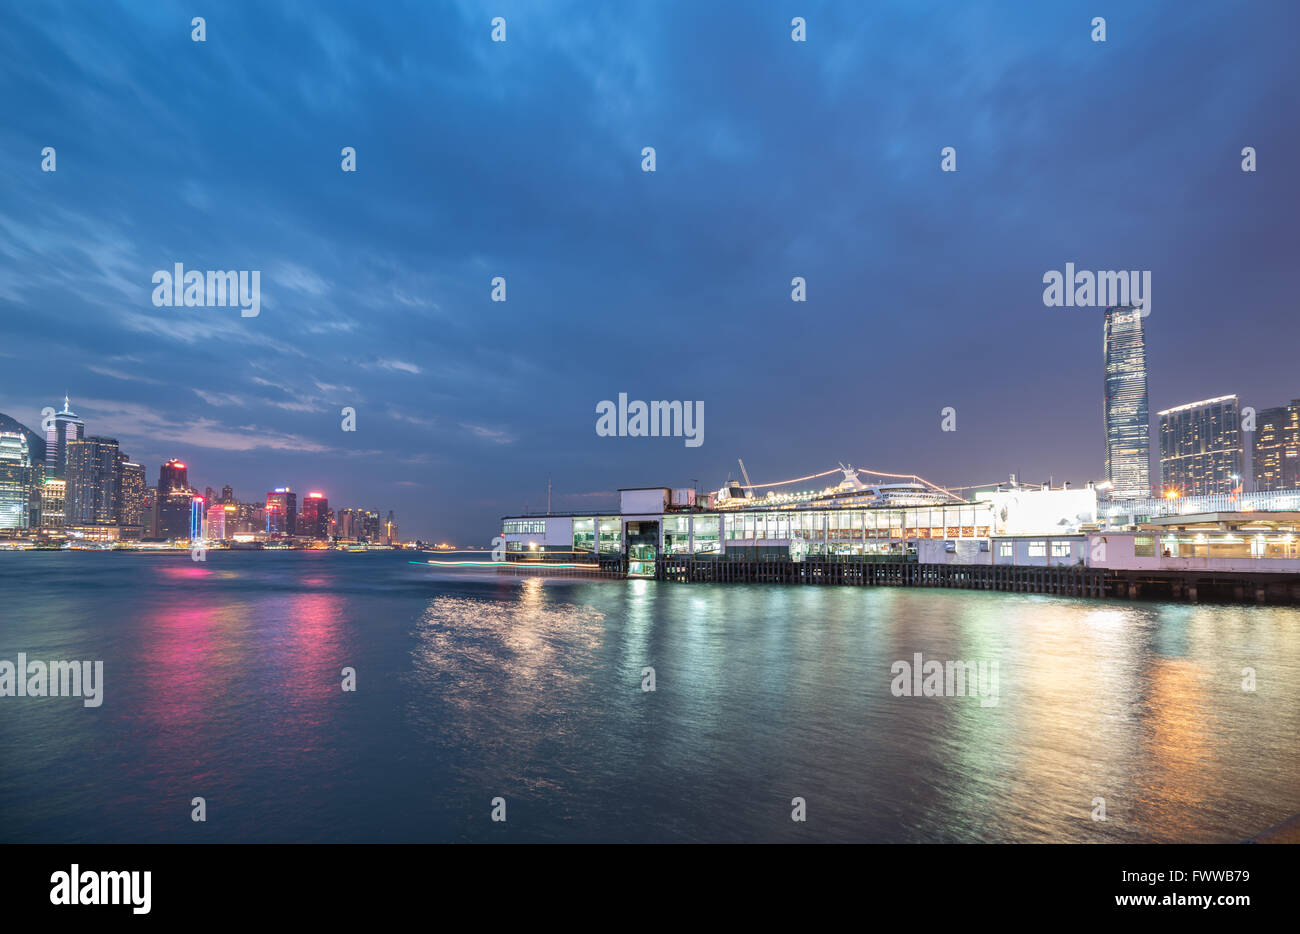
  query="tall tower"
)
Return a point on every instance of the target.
[
  {"x": 91, "y": 496},
  {"x": 173, "y": 500},
  {"x": 65, "y": 427},
  {"x": 1200, "y": 447},
  {"x": 1128, "y": 423}
]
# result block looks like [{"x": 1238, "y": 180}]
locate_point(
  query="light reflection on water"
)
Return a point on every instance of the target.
[{"x": 224, "y": 680}]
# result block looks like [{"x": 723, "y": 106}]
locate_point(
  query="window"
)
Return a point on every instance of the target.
[
  {"x": 1038, "y": 549},
  {"x": 584, "y": 535},
  {"x": 706, "y": 536},
  {"x": 1006, "y": 549},
  {"x": 1060, "y": 549},
  {"x": 610, "y": 536},
  {"x": 1144, "y": 546},
  {"x": 525, "y": 527}
]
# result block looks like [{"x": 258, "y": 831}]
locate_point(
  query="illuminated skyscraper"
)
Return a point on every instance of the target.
[
  {"x": 390, "y": 529},
  {"x": 196, "y": 518},
  {"x": 1276, "y": 447},
  {"x": 1128, "y": 422},
  {"x": 174, "y": 500},
  {"x": 281, "y": 512},
  {"x": 130, "y": 496},
  {"x": 91, "y": 496},
  {"x": 314, "y": 519},
  {"x": 52, "y": 493},
  {"x": 64, "y": 427},
  {"x": 15, "y": 481},
  {"x": 1200, "y": 447}
]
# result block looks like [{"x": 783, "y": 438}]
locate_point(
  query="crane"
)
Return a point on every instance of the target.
[{"x": 743, "y": 472}]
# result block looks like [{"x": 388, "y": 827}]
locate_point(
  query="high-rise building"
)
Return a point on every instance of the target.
[
  {"x": 390, "y": 529},
  {"x": 91, "y": 496},
  {"x": 16, "y": 476},
  {"x": 174, "y": 500},
  {"x": 215, "y": 526},
  {"x": 371, "y": 527},
  {"x": 251, "y": 519},
  {"x": 196, "y": 518},
  {"x": 1276, "y": 448},
  {"x": 227, "y": 495},
  {"x": 52, "y": 493},
  {"x": 1128, "y": 422},
  {"x": 64, "y": 427},
  {"x": 314, "y": 517},
  {"x": 281, "y": 512},
  {"x": 149, "y": 513},
  {"x": 130, "y": 496},
  {"x": 1200, "y": 447}
]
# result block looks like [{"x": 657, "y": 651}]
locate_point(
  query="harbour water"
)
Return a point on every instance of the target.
[{"x": 222, "y": 681}]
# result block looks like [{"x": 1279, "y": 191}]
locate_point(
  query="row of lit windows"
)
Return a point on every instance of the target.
[{"x": 525, "y": 527}]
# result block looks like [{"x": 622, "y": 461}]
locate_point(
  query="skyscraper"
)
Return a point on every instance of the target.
[
  {"x": 130, "y": 496},
  {"x": 1200, "y": 447},
  {"x": 390, "y": 529},
  {"x": 314, "y": 518},
  {"x": 52, "y": 493},
  {"x": 227, "y": 495},
  {"x": 91, "y": 496},
  {"x": 281, "y": 512},
  {"x": 64, "y": 427},
  {"x": 15, "y": 481},
  {"x": 1276, "y": 447},
  {"x": 174, "y": 500},
  {"x": 1128, "y": 422}
]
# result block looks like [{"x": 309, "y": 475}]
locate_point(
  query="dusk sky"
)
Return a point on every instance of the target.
[{"x": 522, "y": 159}]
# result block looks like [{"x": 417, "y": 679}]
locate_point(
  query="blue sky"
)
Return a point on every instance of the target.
[{"x": 522, "y": 159}]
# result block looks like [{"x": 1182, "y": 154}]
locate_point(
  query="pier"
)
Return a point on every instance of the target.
[{"x": 1065, "y": 581}]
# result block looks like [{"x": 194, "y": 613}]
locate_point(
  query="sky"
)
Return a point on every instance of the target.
[{"x": 523, "y": 160}]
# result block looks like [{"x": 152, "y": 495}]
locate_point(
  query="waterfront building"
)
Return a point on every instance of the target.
[
  {"x": 130, "y": 497},
  {"x": 174, "y": 500},
  {"x": 1200, "y": 448},
  {"x": 91, "y": 493},
  {"x": 149, "y": 513},
  {"x": 1276, "y": 447},
  {"x": 313, "y": 517},
  {"x": 16, "y": 482},
  {"x": 281, "y": 512},
  {"x": 64, "y": 427},
  {"x": 215, "y": 527},
  {"x": 52, "y": 494},
  {"x": 251, "y": 519},
  {"x": 1128, "y": 442},
  {"x": 196, "y": 517}
]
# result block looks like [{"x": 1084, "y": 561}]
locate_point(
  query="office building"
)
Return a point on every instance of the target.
[
  {"x": 91, "y": 469},
  {"x": 1128, "y": 428},
  {"x": 65, "y": 426},
  {"x": 1200, "y": 448},
  {"x": 1276, "y": 448}
]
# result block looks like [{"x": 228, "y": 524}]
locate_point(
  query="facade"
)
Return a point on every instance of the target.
[
  {"x": 647, "y": 525},
  {"x": 130, "y": 497},
  {"x": 218, "y": 521},
  {"x": 174, "y": 500},
  {"x": 1128, "y": 428},
  {"x": 16, "y": 482},
  {"x": 92, "y": 473},
  {"x": 314, "y": 517},
  {"x": 64, "y": 427},
  {"x": 281, "y": 512},
  {"x": 390, "y": 530},
  {"x": 52, "y": 493},
  {"x": 1276, "y": 448},
  {"x": 197, "y": 509},
  {"x": 1200, "y": 448}
]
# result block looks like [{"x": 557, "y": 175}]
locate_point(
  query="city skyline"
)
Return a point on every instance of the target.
[{"x": 923, "y": 286}]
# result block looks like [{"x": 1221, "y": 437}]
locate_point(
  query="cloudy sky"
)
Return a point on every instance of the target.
[{"x": 522, "y": 159}]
